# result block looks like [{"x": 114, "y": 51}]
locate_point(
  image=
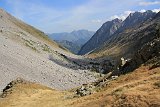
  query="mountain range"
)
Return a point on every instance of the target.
[
  {"x": 118, "y": 67},
  {"x": 114, "y": 27},
  {"x": 130, "y": 42},
  {"x": 73, "y": 40}
]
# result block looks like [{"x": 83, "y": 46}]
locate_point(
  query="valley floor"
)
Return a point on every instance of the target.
[{"x": 140, "y": 88}]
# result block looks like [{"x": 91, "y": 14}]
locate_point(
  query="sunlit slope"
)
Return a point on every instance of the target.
[
  {"x": 12, "y": 22},
  {"x": 139, "y": 88},
  {"x": 28, "y": 53}
]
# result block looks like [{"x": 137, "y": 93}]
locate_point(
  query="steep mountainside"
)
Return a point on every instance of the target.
[
  {"x": 8, "y": 21},
  {"x": 101, "y": 36},
  {"x": 28, "y": 57},
  {"x": 132, "y": 47},
  {"x": 28, "y": 53},
  {"x": 76, "y": 39},
  {"x": 132, "y": 20},
  {"x": 131, "y": 39},
  {"x": 136, "y": 18}
]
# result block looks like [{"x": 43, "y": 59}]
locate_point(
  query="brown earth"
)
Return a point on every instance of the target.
[{"x": 140, "y": 88}]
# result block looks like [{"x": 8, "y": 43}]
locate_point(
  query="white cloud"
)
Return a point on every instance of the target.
[
  {"x": 149, "y": 3},
  {"x": 122, "y": 16},
  {"x": 114, "y": 17},
  {"x": 142, "y": 11},
  {"x": 96, "y": 21},
  {"x": 156, "y": 10},
  {"x": 89, "y": 15}
]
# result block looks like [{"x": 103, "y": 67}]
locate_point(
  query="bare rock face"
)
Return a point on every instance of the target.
[
  {"x": 88, "y": 89},
  {"x": 149, "y": 51},
  {"x": 136, "y": 18},
  {"x": 138, "y": 43},
  {"x": 85, "y": 89},
  {"x": 101, "y": 36},
  {"x": 112, "y": 29}
]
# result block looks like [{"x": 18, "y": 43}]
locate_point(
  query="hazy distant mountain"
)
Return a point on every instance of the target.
[
  {"x": 28, "y": 54},
  {"x": 73, "y": 40},
  {"x": 114, "y": 27},
  {"x": 70, "y": 45}
]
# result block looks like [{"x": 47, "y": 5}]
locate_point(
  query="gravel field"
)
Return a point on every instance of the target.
[{"x": 18, "y": 60}]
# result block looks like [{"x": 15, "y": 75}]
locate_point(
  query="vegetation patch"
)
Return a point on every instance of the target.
[
  {"x": 46, "y": 48},
  {"x": 33, "y": 48},
  {"x": 23, "y": 33},
  {"x": 118, "y": 91},
  {"x": 29, "y": 42},
  {"x": 157, "y": 84}
]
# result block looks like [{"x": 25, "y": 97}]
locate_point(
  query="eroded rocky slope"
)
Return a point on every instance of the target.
[{"x": 28, "y": 53}]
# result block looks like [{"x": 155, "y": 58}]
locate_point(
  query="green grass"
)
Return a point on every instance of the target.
[
  {"x": 29, "y": 42},
  {"x": 33, "y": 48},
  {"x": 46, "y": 48},
  {"x": 23, "y": 33}
]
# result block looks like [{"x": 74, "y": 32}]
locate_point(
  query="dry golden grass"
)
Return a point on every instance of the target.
[
  {"x": 111, "y": 52},
  {"x": 116, "y": 51},
  {"x": 137, "y": 89},
  {"x": 134, "y": 89},
  {"x": 33, "y": 95}
]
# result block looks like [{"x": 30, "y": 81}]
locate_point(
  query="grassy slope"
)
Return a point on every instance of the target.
[
  {"x": 136, "y": 89},
  {"x": 139, "y": 88},
  {"x": 129, "y": 41},
  {"x": 32, "y": 95}
]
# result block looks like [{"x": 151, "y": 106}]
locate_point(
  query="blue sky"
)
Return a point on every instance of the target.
[{"x": 68, "y": 15}]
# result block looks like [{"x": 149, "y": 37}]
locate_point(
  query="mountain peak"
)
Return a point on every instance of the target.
[
  {"x": 106, "y": 30},
  {"x": 157, "y": 15},
  {"x": 135, "y": 14},
  {"x": 149, "y": 11},
  {"x": 81, "y": 30},
  {"x": 136, "y": 18},
  {"x": 116, "y": 20},
  {"x": 115, "y": 26},
  {"x": 73, "y": 40}
]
